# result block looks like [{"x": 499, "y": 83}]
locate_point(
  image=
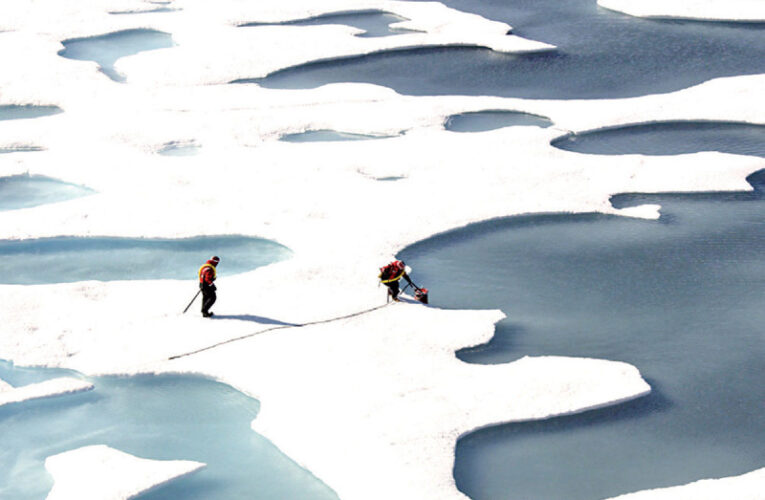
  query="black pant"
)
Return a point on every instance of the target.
[
  {"x": 208, "y": 298},
  {"x": 393, "y": 287}
]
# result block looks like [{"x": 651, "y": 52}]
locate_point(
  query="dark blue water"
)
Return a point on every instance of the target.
[
  {"x": 669, "y": 138},
  {"x": 157, "y": 417},
  {"x": 68, "y": 259},
  {"x": 25, "y": 112},
  {"x": 600, "y": 54},
  {"x": 106, "y": 49},
  {"x": 375, "y": 23},
  {"x": 480, "y": 121},
  {"x": 679, "y": 298},
  {"x": 327, "y": 136},
  {"x": 24, "y": 191}
]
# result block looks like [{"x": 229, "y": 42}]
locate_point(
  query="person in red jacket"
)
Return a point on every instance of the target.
[
  {"x": 391, "y": 274},
  {"x": 207, "y": 275}
]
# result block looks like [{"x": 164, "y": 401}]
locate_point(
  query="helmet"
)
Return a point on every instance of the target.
[{"x": 215, "y": 259}]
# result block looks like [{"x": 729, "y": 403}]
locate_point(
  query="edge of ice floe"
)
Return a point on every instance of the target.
[
  {"x": 633, "y": 386},
  {"x": 707, "y": 10},
  {"x": 99, "y": 472},
  {"x": 49, "y": 388}
]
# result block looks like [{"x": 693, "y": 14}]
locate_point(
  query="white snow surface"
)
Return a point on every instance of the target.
[
  {"x": 54, "y": 387},
  {"x": 744, "y": 487},
  {"x": 393, "y": 395},
  {"x": 403, "y": 413},
  {"x": 102, "y": 473},
  {"x": 712, "y": 10}
]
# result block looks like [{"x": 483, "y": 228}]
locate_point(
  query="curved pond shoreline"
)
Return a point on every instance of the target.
[
  {"x": 25, "y": 191},
  {"x": 673, "y": 297},
  {"x": 163, "y": 417},
  {"x": 669, "y": 138},
  {"x": 373, "y": 23},
  {"x": 69, "y": 259},
  {"x": 645, "y": 57},
  {"x": 106, "y": 49}
]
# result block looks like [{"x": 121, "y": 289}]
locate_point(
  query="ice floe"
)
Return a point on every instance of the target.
[
  {"x": 103, "y": 473},
  {"x": 283, "y": 191},
  {"x": 397, "y": 398},
  {"x": 730, "y": 10}
]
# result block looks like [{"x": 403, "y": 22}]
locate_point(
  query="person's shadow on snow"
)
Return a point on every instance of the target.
[{"x": 254, "y": 319}]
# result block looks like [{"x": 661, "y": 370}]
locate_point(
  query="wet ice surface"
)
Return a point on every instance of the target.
[
  {"x": 667, "y": 138},
  {"x": 158, "y": 417},
  {"x": 106, "y": 49},
  {"x": 678, "y": 298},
  {"x": 179, "y": 149},
  {"x": 391, "y": 178},
  {"x": 69, "y": 259},
  {"x": 149, "y": 11},
  {"x": 21, "y": 375},
  {"x": 23, "y": 191},
  {"x": 481, "y": 121},
  {"x": 24, "y": 112},
  {"x": 639, "y": 56},
  {"x": 19, "y": 149},
  {"x": 327, "y": 136},
  {"x": 375, "y": 23}
]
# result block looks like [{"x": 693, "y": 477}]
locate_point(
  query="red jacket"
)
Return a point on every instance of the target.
[
  {"x": 392, "y": 272},
  {"x": 207, "y": 273}
]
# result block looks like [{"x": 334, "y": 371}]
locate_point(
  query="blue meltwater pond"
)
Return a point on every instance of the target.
[
  {"x": 106, "y": 49},
  {"x": 679, "y": 298},
  {"x": 158, "y": 417},
  {"x": 24, "y": 191},
  {"x": 69, "y": 259},
  {"x": 668, "y": 138},
  {"x": 374, "y": 23},
  {"x": 599, "y": 54}
]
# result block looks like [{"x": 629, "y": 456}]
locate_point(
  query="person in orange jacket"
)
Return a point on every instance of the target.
[
  {"x": 391, "y": 274},
  {"x": 207, "y": 275}
]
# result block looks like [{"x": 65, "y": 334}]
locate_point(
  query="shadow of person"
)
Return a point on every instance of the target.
[{"x": 255, "y": 319}]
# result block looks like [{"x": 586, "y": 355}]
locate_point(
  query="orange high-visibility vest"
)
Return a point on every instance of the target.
[{"x": 215, "y": 273}]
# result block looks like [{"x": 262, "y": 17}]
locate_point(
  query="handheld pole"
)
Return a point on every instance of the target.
[{"x": 192, "y": 301}]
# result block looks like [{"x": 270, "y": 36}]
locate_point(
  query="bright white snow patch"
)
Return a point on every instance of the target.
[
  {"x": 727, "y": 10},
  {"x": 49, "y": 388},
  {"x": 648, "y": 211},
  {"x": 749, "y": 486},
  {"x": 103, "y": 473},
  {"x": 384, "y": 391}
]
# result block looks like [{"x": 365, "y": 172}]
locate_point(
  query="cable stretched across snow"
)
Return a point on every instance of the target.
[{"x": 280, "y": 327}]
